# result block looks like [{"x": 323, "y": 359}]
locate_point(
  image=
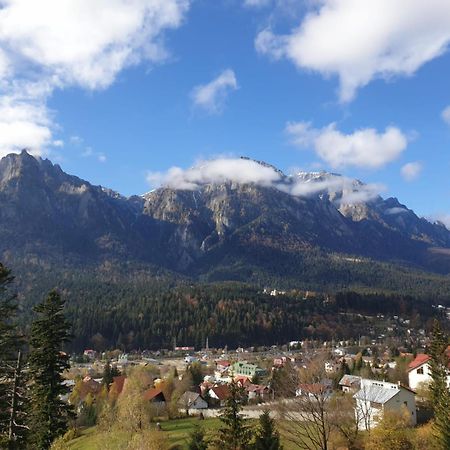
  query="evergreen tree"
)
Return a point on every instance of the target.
[
  {"x": 440, "y": 393},
  {"x": 109, "y": 373},
  {"x": 196, "y": 372},
  {"x": 50, "y": 415},
  {"x": 11, "y": 395},
  {"x": 235, "y": 434},
  {"x": 267, "y": 437},
  {"x": 197, "y": 439}
]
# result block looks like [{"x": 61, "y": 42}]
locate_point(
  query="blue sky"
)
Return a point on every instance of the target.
[{"x": 118, "y": 90}]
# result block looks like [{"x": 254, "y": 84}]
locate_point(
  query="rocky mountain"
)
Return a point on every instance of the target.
[{"x": 50, "y": 217}]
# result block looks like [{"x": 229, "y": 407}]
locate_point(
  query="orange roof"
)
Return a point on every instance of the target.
[
  {"x": 242, "y": 379},
  {"x": 152, "y": 393},
  {"x": 222, "y": 392},
  {"x": 419, "y": 360},
  {"x": 118, "y": 383}
]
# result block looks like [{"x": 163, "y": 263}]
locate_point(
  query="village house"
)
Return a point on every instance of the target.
[
  {"x": 192, "y": 401},
  {"x": 222, "y": 368},
  {"x": 219, "y": 394},
  {"x": 419, "y": 370},
  {"x": 322, "y": 390},
  {"x": 350, "y": 383},
  {"x": 91, "y": 354},
  {"x": 155, "y": 395},
  {"x": 376, "y": 398},
  {"x": 256, "y": 392}
]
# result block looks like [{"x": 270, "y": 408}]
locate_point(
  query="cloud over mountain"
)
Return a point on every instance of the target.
[{"x": 245, "y": 171}]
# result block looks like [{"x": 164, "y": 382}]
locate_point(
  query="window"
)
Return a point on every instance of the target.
[{"x": 420, "y": 371}]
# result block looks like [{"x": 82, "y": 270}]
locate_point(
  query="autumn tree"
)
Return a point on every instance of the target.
[
  {"x": 440, "y": 393},
  {"x": 133, "y": 412},
  {"x": 392, "y": 432},
  {"x": 306, "y": 418}
]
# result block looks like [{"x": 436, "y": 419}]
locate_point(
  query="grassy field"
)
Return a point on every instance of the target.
[{"x": 177, "y": 432}]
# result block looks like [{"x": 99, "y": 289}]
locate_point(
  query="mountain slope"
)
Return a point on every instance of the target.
[{"x": 49, "y": 217}]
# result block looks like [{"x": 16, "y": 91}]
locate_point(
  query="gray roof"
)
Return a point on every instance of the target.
[
  {"x": 376, "y": 394},
  {"x": 349, "y": 380},
  {"x": 189, "y": 397}
]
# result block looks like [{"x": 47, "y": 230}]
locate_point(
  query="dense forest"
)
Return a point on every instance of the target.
[{"x": 120, "y": 306}]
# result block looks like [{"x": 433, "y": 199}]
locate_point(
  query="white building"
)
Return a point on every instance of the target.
[
  {"x": 378, "y": 397},
  {"x": 192, "y": 400},
  {"x": 419, "y": 371}
]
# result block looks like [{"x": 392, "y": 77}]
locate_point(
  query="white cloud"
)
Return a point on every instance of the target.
[
  {"x": 446, "y": 115},
  {"x": 395, "y": 210},
  {"x": 50, "y": 45},
  {"x": 87, "y": 42},
  {"x": 247, "y": 171},
  {"x": 365, "y": 147},
  {"x": 58, "y": 143},
  {"x": 359, "y": 40},
  {"x": 211, "y": 96},
  {"x": 442, "y": 218},
  {"x": 257, "y": 3},
  {"x": 88, "y": 151},
  {"x": 76, "y": 140},
  {"x": 23, "y": 125},
  {"x": 411, "y": 170},
  {"x": 215, "y": 171}
]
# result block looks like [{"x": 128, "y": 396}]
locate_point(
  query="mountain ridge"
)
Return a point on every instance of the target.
[{"x": 48, "y": 215}]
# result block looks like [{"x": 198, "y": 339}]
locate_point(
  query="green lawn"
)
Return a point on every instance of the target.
[{"x": 177, "y": 430}]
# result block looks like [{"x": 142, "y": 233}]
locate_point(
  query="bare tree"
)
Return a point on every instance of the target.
[
  {"x": 346, "y": 419},
  {"x": 306, "y": 417}
]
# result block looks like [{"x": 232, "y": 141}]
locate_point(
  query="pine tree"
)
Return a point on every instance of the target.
[
  {"x": 235, "y": 434},
  {"x": 107, "y": 375},
  {"x": 50, "y": 415},
  {"x": 11, "y": 400},
  {"x": 197, "y": 439},
  {"x": 440, "y": 393},
  {"x": 267, "y": 437}
]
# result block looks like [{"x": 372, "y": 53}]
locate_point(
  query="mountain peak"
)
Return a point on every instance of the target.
[{"x": 264, "y": 164}]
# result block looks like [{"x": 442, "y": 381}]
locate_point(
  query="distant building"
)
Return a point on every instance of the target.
[
  {"x": 192, "y": 400},
  {"x": 419, "y": 370},
  {"x": 316, "y": 391},
  {"x": 350, "y": 383},
  {"x": 91, "y": 354},
  {"x": 247, "y": 369},
  {"x": 219, "y": 394},
  {"x": 376, "y": 398},
  {"x": 155, "y": 395}
]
